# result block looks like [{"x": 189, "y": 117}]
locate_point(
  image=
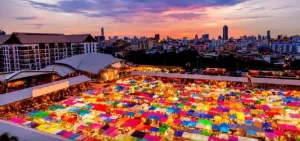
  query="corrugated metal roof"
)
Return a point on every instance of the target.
[
  {"x": 36, "y": 38},
  {"x": 27, "y": 93},
  {"x": 91, "y": 62},
  {"x": 23, "y": 74},
  {"x": 60, "y": 69}
]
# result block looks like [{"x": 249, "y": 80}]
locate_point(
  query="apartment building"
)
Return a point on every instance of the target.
[
  {"x": 81, "y": 44},
  {"x": 285, "y": 47},
  {"x": 37, "y": 50}
]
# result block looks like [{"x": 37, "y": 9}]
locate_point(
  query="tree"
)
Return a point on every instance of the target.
[{"x": 7, "y": 137}]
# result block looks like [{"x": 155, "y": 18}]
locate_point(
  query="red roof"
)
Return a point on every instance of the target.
[{"x": 36, "y": 38}]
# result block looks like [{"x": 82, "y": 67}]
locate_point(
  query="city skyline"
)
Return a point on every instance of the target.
[{"x": 175, "y": 19}]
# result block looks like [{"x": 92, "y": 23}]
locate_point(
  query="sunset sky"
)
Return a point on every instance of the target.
[{"x": 174, "y": 18}]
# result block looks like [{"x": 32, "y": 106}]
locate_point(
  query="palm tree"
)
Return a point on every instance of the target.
[{"x": 6, "y": 137}]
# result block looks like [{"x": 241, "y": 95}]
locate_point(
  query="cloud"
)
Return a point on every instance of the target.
[
  {"x": 185, "y": 16},
  {"x": 248, "y": 18},
  {"x": 26, "y": 18},
  {"x": 37, "y": 26},
  {"x": 282, "y": 7},
  {"x": 118, "y": 9},
  {"x": 257, "y": 9}
]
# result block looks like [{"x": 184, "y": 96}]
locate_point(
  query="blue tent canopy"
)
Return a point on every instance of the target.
[
  {"x": 209, "y": 116},
  {"x": 154, "y": 129},
  {"x": 251, "y": 132},
  {"x": 232, "y": 93},
  {"x": 130, "y": 114},
  {"x": 202, "y": 115},
  {"x": 233, "y": 116},
  {"x": 178, "y": 133},
  {"x": 269, "y": 130},
  {"x": 266, "y": 125},
  {"x": 249, "y": 122},
  {"x": 224, "y": 127},
  {"x": 184, "y": 122},
  {"x": 215, "y": 127},
  {"x": 221, "y": 97},
  {"x": 171, "y": 110},
  {"x": 192, "y": 124}
]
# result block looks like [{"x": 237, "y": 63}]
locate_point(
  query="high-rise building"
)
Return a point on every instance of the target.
[
  {"x": 196, "y": 37},
  {"x": 102, "y": 31},
  {"x": 225, "y": 32},
  {"x": 102, "y": 37},
  {"x": 268, "y": 35},
  {"x": 259, "y": 37},
  {"x": 157, "y": 37},
  {"x": 205, "y": 36}
]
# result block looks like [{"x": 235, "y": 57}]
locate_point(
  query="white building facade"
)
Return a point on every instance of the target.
[{"x": 37, "y": 50}]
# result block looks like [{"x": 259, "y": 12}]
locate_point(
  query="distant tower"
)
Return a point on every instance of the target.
[
  {"x": 196, "y": 37},
  {"x": 157, "y": 37},
  {"x": 268, "y": 35},
  {"x": 259, "y": 37},
  {"x": 225, "y": 32},
  {"x": 102, "y": 37},
  {"x": 102, "y": 31}
]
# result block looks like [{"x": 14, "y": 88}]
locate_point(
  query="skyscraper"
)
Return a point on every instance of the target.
[
  {"x": 259, "y": 37},
  {"x": 102, "y": 37},
  {"x": 205, "y": 36},
  {"x": 196, "y": 37},
  {"x": 268, "y": 35},
  {"x": 225, "y": 32},
  {"x": 102, "y": 31},
  {"x": 157, "y": 37}
]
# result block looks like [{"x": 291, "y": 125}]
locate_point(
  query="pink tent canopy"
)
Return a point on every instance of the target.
[
  {"x": 212, "y": 138},
  {"x": 279, "y": 133},
  {"x": 177, "y": 121},
  {"x": 81, "y": 127},
  {"x": 151, "y": 137},
  {"x": 270, "y": 135},
  {"x": 18, "y": 120},
  {"x": 67, "y": 134},
  {"x": 96, "y": 125}
]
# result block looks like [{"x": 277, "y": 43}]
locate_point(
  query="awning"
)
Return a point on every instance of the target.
[{"x": 28, "y": 92}]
